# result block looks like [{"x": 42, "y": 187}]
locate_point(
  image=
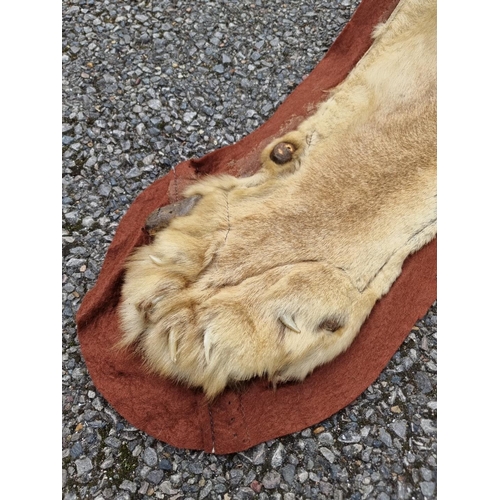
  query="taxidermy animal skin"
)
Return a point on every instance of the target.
[{"x": 274, "y": 274}]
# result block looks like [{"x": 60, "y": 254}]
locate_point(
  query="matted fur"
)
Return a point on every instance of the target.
[{"x": 274, "y": 274}]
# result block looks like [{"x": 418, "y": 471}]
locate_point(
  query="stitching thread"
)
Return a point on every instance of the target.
[
  {"x": 212, "y": 431},
  {"x": 175, "y": 185},
  {"x": 242, "y": 411}
]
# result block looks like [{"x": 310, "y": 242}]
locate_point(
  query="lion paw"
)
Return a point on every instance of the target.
[{"x": 204, "y": 307}]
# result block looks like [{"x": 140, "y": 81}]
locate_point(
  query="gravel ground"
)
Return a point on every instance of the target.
[{"x": 145, "y": 86}]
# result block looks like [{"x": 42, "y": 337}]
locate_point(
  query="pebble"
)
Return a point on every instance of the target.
[
  {"x": 150, "y": 457},
  {"x": 326, "y": 438},
  {"x": 155, "y": 104},
  {"x": 155, "y": 476},
  {"x": 328, "y": 454},
  {"x": 271, "y": 480},
  {"x": 399, "y": 427},
  {"x": 385, "y": 437},
  {"x": 76, "y": 450},
  {"x": 428, "y": 426},
  {"x": 83, "y": 465},
  {"x": 128, "y": 485},
  {"x": 427, "y": 488},
  {"x": 259, "y": 454},
  {"x": 277, "y": 458},
  {"x": 423, "y": 382}
]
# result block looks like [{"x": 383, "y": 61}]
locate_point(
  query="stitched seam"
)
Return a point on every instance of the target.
[
  {"x": 242, "y": 411},
  {"x": 176, "y": 195},
  {"x": 212, "y": 430}
]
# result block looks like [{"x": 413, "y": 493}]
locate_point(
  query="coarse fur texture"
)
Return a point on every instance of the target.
[{"x": 274, "y": 274}]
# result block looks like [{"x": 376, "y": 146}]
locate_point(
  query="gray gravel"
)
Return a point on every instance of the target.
[{"x": 145, "y": 86}]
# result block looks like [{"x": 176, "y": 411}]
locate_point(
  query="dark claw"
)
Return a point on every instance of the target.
[
  {"x": 161, "y": 217},
  {"x": 331, "y": 325},
  {"x": 282, "y": 153}
]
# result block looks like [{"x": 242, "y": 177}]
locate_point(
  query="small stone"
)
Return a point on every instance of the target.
[
  {"x": 166, "y": 487},
  {"x": 326, "y": 489},
  {"x": 220, "y": 488},
  {"x": 113, "y": 442},
  {"x": 155, "y": 104},
  {"x": 328, "y": 454},
  {"x": 243, "y": 493},
  {"x": 104, "y": 189},
  {"x": 150, "y": 457},
  {"x": 87, "y": 221},
  {"x": 427, "y": 488},
  {"x": 277, "y": 458},
  {"x": 423, "y": 382},
  {"x": 235, "y": 476},
  {"x": 271, "y": 480},
  {"x": 155, "y": 476},
  {"x": 399, "y": 427},
  {"x": 128, "y": 485},
  {"x": 385, "y": 437},
  {"x": 260, "y": 454},
  {"x": 75, "y": 262},
  {"x": 326, "y": 438},
  {"x": 165, "y": 464},
  {"x": 319, "y": 430},
  {"x": 314, "y": 477},
  {"x": 106, "y": 464},
  {"x": 303, "y": 476},
  {"x": 352, "y": 450},
  {"x": 427, "y": 426},
  {"x": 288, "y": 473},
  {"x": 195, "y": 468},
  {"x": 426, "y": 474},
  {"x": 76, "y": 450},
  {"x": 188, "y": 117},
  {"x": 132, "y": 173},
  {"x": 256, "y": 486},
  {"x": 148, "y": 160},
  {"x": 349, "y": 437},
  {"x": 91, "y": 161},
  {"x": 83, "y": 465}
]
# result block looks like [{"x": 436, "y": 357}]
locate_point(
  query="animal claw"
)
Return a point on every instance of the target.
[
  {"x": 289, "y": 322},
  {"x": 207, "y": 344},
  {"x": 156, "y": 260},
  {"x": 172, "y": 345}
]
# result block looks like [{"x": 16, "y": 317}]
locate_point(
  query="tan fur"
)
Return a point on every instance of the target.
[{"x": 310, "y": 245}]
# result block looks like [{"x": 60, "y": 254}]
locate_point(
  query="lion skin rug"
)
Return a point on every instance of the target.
[{"x": 213, "y": 414}]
